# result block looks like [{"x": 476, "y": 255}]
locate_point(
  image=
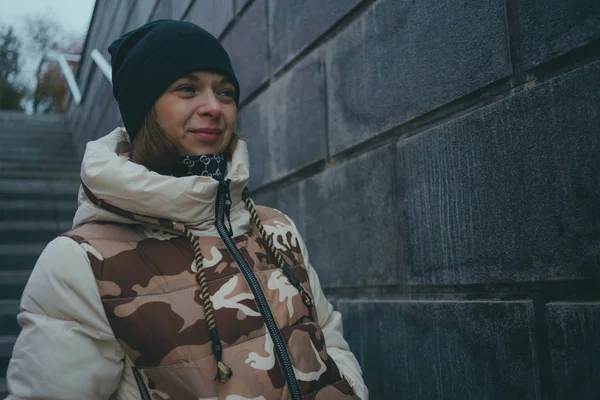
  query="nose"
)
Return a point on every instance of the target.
[{"x": 209, "y": 105}]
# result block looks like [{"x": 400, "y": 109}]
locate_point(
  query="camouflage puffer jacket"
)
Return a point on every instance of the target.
[{"x": 113, "y": 308}]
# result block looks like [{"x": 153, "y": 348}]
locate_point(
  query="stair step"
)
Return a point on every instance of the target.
[
  {"x": 29, "y": 121},
  {"x": 73, "y": 176},
  {"x": 7, "y": 343},
  {"x": 12, "y": 283},
  {"x": 53, "y": 139},
  {"x": 25, "y": 128},
  {"x": 42, "y": 166},
  {"x": 28, "y": 128},
  {"x": 32, "y": 231},
  {"x": 10, "y": 138},
  {"x": 35, "y": 153},
  {"x": 8, "y": 318},
  {"x": 10, "y": 115},
  {"x": 42, "y": 148},
  {"x": 28, "y": 125},
  {"x": 32, "y": 145},
  {"x": 67, "y": 158},
  {"x": 37, "y": 209},
  {"x": 20, "y": 255},
  {"x": 38, "y": 189},
  {"x": 36, "y": 131}
]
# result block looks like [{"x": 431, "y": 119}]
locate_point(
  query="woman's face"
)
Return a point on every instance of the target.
[{"x": 198, "y": 112}]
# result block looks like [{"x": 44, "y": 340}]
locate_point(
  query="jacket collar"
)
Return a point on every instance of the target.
[{"x": 125, "y": 192}]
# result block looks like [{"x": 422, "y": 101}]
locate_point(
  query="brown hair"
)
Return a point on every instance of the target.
[{"x": 154, "y": 148}]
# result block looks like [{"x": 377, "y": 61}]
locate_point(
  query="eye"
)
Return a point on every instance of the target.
[
  {"x": 186, "y": 88},
  {"x": 228, "y": 93}
]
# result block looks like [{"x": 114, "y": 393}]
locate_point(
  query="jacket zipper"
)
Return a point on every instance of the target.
[
  {"x": 223, "y": 208},
  {"x": 140, "y": 382}
]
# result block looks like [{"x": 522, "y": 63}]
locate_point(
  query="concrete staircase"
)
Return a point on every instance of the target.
[{"x": 39, "y": 179}]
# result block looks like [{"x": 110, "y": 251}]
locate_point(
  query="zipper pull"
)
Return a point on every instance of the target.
[{"x": 224, "y": 189}]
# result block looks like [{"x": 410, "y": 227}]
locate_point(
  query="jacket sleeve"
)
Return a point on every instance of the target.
[
  {"x": 331, "y": 325},
  {"x": 66, "y": 348}
]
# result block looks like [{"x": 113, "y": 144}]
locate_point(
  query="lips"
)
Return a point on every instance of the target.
[
  {"x": 206, "y": 134},
  {"x": 211, "y": 131}
]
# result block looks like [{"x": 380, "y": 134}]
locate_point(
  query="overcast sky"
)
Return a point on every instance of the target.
[{"x": 73, "y": 15}]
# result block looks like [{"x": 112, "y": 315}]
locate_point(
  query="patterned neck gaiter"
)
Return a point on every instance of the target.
[{"x": 212, "y": 165}]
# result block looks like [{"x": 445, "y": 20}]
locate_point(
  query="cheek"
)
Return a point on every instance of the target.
[
  {"x": 172, "y": 115},
  {"x": 229, "y": 115}
]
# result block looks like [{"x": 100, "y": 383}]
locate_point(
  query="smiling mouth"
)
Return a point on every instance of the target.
[
  {"x": 211, "y": 131},
  {"x": 206, "y": 134}
]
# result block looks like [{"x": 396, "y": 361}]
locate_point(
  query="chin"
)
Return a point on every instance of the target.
[{"x": 199, "y": 152}]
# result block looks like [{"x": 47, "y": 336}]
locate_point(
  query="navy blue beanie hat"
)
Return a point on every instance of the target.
[{"x": 147, "y": 60}]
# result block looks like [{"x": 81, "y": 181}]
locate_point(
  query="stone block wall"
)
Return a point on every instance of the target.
[{"x": 441, "y": 159}]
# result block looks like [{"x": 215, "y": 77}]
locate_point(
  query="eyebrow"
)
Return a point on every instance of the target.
[{"x": 194, "y": 78}]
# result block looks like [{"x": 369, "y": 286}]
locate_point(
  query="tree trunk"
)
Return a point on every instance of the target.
[{"x": 38, "y": 76}]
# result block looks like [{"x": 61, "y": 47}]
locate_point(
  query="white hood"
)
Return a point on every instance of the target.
[{"x": 149, "y": 198}]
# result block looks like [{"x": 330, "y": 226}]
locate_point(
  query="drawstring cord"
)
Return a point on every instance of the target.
[
  {"x": 306, "y": 298},
  {"x": 223, "y": 371}
]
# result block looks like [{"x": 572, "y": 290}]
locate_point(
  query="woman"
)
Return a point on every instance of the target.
[{"x": 172, "y": 284}]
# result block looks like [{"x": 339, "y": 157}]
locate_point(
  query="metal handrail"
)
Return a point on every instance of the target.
[
  {"x": 102, "y": 64},
  {"x": 68, "y": 74}
]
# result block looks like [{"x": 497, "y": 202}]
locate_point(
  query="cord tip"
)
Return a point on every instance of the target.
[{"x": 223, "y": 372}]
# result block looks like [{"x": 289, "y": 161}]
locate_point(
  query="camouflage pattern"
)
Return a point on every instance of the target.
[{"x": 152, "y": 303}]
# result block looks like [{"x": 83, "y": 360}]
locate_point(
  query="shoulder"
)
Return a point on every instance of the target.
[
  {"x": 105, "y": 231},
  {"x": 269, "y": 215},
  {"x": 275, "y": 220},
  {"x": 63, "y": 269},
  {"x": 279, "y": 224},
  {"x": 103, "y": 240}
]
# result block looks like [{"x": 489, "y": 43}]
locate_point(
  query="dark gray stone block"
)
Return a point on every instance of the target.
[
  {"x": 162, "y": 11},
  {"x": 268, "y": 199},
  {"x": 444, "y": 350},
  {"x": 116, "y": 10},
  {"x": 246, "y": 44},
  {"x": 223, "y": 14},
  {"x": 140, "y": 14},
  {"x": 556, "y": 28},
  {"x": 97, "y": 25},
  {"x": 212, "y": 15},
  {"x": 179, "y": 7},
  {"x": 292, "y": 121},
  {"x": 113, "y": 116},
  {"x": 239, "y": 4},
  {"x": 91, "y": 109},
  {"x": 97, "y": 113},
  {"x": 402, "y": 59},
  {"x": 510, "y": 192},
  {"x": 252, "y": 126},
  {"x": 345, "y": 216},
  {"x": 117, "y": 26},
  {"x": 101, "y": 24},
  {"x": 111, "y": 10},
  {"x": 295, "y": 24},
  {"x": 573, "y": 332},
  {"x": 291, "y": 202},
  {"x": 109, "y": 119}
]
